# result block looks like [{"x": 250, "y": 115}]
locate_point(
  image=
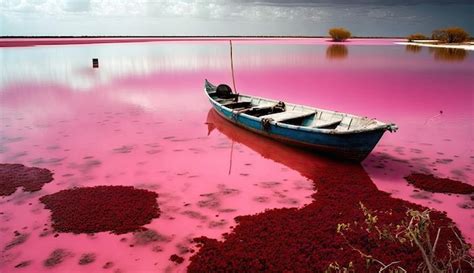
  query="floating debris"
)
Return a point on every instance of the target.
[
  {"x": 56, "y": 257},
  {"x": 23, "y": 264},
  {"x": 108, "y": 265},
  {"x": 125, "y": 149},
  {"x": 18, "y": 240},
  {"x": 87, "y": 258}
]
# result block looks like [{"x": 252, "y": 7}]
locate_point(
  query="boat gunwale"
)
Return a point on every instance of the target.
[
  {"x": 328, "y": 150},
  {"x": 380, "y": 125}
]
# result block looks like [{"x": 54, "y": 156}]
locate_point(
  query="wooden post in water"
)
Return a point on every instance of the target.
[
  {"x": 95, "y": 62},
  {"x": 232, "y": 67}
]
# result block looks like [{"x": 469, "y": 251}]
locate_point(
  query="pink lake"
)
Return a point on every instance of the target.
[{"x": 141, "y": 119}]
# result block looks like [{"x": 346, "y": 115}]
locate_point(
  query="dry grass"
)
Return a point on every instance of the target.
[
  {"x": 416, "y": 36},
  {"x": 451, "y": 35},
  {"x": 339, "y": 34}
]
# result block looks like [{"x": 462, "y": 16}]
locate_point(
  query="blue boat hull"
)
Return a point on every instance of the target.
[{"x": 355, "y": 147}]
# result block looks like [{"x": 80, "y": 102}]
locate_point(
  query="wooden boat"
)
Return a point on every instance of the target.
[{"x": 330, "y": 132}]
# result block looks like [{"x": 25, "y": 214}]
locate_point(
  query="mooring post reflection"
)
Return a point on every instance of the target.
[{"x": 337, "y": 52}]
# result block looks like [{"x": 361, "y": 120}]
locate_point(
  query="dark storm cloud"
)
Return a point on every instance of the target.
[{"x": 359, "y": 2}]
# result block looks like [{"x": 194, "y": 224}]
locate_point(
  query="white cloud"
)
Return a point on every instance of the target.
[
  {"x": 213, "y": 9},
  {"x": 225, "y": 17},
  {"x": 76, "y": 5},
  {"x": 42, "y": 7}
]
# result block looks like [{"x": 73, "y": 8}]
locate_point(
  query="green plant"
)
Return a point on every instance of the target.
[{"x": 339, "y": 34}]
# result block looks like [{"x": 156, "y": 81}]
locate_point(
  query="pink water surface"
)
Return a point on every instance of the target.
[{"x": 141, "y": 119}]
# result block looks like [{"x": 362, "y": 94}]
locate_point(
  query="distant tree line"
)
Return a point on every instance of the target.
[{"x": 445, "y": 35}]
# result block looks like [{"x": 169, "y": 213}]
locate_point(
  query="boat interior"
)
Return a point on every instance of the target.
[{"x": 292, "y": 114}]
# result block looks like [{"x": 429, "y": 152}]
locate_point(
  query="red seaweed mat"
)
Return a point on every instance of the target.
[
  {"x": 118, "y": 209},
  {"x": 13, "y": 176},
  {"x": 306, "y": 240},
  {"x": 429, "y": 182}
]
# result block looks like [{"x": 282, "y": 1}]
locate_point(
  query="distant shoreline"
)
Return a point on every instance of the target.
[
  {"x": 26, "y": 41},
  {"x": 29, "y": 41},
  {"x": 197, "y": 36},
  {"x": 455, "y": 46}
]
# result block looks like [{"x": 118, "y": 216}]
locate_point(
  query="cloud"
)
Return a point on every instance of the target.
[
  {"x": 252, "y": 17},
  {"x": 356, "y": 2},
  {"x": 76, "y": 5},
  {"x": 40, "y": 7},
  {"x": 300, "y": 10},
  {"x": 19, "y": 5}
]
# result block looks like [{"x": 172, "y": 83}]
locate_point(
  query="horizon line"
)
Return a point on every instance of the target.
[{"x": 184, "y": 36}]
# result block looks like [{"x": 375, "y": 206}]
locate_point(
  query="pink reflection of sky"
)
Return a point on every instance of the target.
[
  {"x": 22, "y": 42},
  {"x": 148, "y": 130}
]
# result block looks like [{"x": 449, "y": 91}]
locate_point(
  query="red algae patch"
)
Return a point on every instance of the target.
[
  {"x": 118, "y": 209},
  {"x": 307, "y": 239},
  {"x": 13, "y": 176},
  {"x": 429, "y": 182},
  {"x": 177, "y": 259}
]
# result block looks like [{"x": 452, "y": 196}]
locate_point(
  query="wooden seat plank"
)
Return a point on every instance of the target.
[
  {"x": 288, "y": 115},
  {"x": 325, "y": 123}
]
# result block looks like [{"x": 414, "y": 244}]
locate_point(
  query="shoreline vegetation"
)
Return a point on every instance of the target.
[
  {"x": 339, "y": 34},
  {"x": 451, "y": 38}
]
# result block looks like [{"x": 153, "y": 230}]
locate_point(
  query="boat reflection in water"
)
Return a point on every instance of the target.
[
  {"x": 284, "y": 237},
  {"x": 308, "y": 164}
]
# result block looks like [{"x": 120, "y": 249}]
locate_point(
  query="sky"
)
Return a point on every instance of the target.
[{"x": 388, "y": 18}]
